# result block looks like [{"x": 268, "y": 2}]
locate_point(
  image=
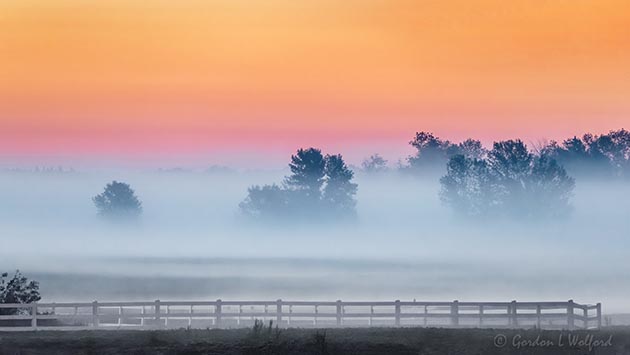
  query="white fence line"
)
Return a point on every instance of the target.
[{"x": 229, "y": 314}]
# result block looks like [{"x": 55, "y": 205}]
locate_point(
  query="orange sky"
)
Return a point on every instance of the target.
[{"x": 201, "y": 77}]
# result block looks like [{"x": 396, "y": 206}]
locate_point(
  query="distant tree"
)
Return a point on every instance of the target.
[
  {"x": 374, "y": 164},
  {"x": 599, "y": 156},
  {"x": 468, "y": 186},
  {"x": 17, "y": 289},
  {"x": 317, "y": 187},
  {"x": 219, "y": 169},
  {"x": 510, "y": 181},
  {"x": 510, "y": 160},
  {"x": 620, "y": 156},
  {"x": 510, "y": 164},
  {"x": 265, "y": 201},
  {"x": 550, "y": 186},
  {"x": 576, "y": 147},
  {"x": 118, "y": 201},
  {"x": 339, "y": 191},
  {"x": 431, "y": 152},
  {"x": 307, "y": 168},
  {"x": 580, "y": 156},
  {"x": 471, "y": 148}
]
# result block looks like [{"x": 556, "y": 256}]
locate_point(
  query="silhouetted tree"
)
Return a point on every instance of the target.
[
  {"x": 17, "y": 289},
  {"x": 510, "y": 160},
  {"x": 307, "y": 168},
  {"x": 510, "y": 181},
  {"x": 374, "y": 164},
  {"x": 619, "y": 154},
  {"x": 471, "y": 148},
  {"x": 577, "y": 156},
  {"x": 431, "y": 152},
  {"x": 468, "y": 186},
  {"x": 265, "y": 201},
  {"x": 339, "y": 191},
  {"x": 600, "y": 156},
  {"x": 550, "y": 186},
  {"x": 318, "y": 187},
  {"x": 118, "y": 201},
  {"x": 510, "y": 164}
]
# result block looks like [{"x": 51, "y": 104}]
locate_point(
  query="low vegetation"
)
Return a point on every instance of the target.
[
  {"x": 264, "y": 339},
  {"x": 17, "y": 289}
]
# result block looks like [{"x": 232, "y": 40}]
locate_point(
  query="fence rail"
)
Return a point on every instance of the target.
[{"x": 229, "y": 314}]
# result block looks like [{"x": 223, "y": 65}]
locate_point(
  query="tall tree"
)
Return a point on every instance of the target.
[
  {"x": 510, "y": 160},
  {"x": 340, "y": 190},
  {"x": 550, "y": 186},
  {"x": 319, "y": 187},
  {"x": 118, "y": 200},
  {"x": 307, "y": 168},
  {"x": 468, "y": 186}
]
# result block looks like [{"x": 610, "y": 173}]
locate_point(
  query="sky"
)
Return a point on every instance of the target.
[{"x": 236, "y": 81}]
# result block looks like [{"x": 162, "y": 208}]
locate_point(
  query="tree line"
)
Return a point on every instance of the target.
[
  {"x": 599, "y": 156},
  {"x": 508, "y": 179}
]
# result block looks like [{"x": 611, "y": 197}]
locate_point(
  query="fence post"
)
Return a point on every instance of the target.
[
  {"x": 279, "y": 312},
  {"x": 120, "y": 315},
  {"x": 455, "y": 313},
  {"x": 538, "y": 315},
  {"x": 290, "y": 311},
  {"x": 514, "y": 314},
  {"x": 34, "y": 315},
  {"x": 480, "y": 315},
  {"x": 339, "y": 311},
  {"x": 218, "y": 315},
  {"x": 599, "y": 315},
  {"x": 426, "y": 314},
  {"x": 397, "y": 312},
  {"x": 570, "y": 315},
  {"x": 158, "y": 321},
  {"x": 585, "y": 314},
  {"x": 95, "y": 314},
  {"x": 371, "y": 314}
]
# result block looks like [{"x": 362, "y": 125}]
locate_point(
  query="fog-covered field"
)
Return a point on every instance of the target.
[{"x": 191, "y": 243}]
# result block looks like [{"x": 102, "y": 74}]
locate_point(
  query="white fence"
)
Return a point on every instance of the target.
[{"x": 232, "y": 314}]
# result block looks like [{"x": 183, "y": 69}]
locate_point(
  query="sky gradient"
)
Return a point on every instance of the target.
[{"x": 196, "y": 79}]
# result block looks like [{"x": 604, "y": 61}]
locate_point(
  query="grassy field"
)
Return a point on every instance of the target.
[{"x": 364, "y": 341}]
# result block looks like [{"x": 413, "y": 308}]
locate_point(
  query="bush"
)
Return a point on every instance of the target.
[{"x": 18, "y": 289}]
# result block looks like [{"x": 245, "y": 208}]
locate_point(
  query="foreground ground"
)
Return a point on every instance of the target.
[{"x": 367, "y": 341}]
